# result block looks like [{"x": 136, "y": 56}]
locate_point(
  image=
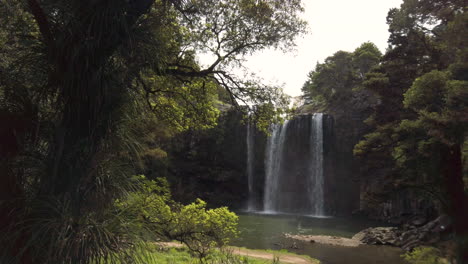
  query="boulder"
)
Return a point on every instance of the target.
[
  {"x": 377, "y": 236},
  {"x": 408, "y": 236}
]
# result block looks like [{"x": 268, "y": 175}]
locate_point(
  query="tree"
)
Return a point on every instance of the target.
[
  {"x": 199, "y": 228},
  {"x": 339, "y": 74},
  {"x": 420, "y": 125},
  {"x": 365, "y": 57},
  {"x": 72, "y": 76},
  {"x": 413, "y": 51},
  {"x": 435, "y": 139}
]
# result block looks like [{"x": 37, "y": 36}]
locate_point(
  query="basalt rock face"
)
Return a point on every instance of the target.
[
  {"x": 341, "y": 188},
  {"x": 349, "y": 128},
  {"x": 210, "y": 164},
  {"x": 343, "y": 169},
  {"x": 380, "y": 200},
  {"x": 259, "y": 140}
]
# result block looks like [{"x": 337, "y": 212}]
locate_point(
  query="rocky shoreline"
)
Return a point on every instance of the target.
[
  {"x": 416, "y": 233},
  {"x": 409, "y": 236},
  {"x": 329, "y": 240}
]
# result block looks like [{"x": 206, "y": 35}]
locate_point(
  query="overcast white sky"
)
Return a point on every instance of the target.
[{"x": 333, "y": 25}]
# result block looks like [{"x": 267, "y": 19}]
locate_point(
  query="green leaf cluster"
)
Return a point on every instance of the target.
[
  {"x": 76, "y": 81},
  {"x": 420, "y": 127},
  {"x": 158, "y": 217},
  {"x": 424, "y": 255},
  {"x": 340, "y": 74},
  {"x": 421, "y": 83}
]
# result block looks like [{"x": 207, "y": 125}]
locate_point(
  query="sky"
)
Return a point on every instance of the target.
[{"x": 333, "y": 25}]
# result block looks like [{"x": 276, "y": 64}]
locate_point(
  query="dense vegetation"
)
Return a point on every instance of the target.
[
  {"x": 95, "y": 93},
  {"x": 342, "y": 73},
  {"x": 88, "y": 89},
  {"x": 419, "y": 125}
]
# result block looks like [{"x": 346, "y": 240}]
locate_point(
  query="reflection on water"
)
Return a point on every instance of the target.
[{"x": 264, "y": 231}]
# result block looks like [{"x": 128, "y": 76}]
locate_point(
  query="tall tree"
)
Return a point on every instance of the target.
[
  {"x": 420, "y": 125},
  {"x": 340, "y": 73},
  {"x": 70, "y": 74}
]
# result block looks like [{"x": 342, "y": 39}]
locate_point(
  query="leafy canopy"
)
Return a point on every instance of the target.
[{"x": 340, "y": 73}]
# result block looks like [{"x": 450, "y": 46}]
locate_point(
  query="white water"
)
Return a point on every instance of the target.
[
  {"x": 284, "y": 183},
  {"x": 316, "y": 165},
  {"x": 273, "y": 159}
]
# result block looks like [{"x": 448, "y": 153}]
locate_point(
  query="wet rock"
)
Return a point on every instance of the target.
[
  {"x": 408, "y": 236},
  {"x": 418, "y": 221},
  {"x": 377, "y": 236}
]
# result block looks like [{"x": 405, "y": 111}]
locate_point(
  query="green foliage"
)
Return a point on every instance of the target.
[
  {"x": 199, "y": 228},
  {"x": 424, "y": 255},
  {"x": 365, "y": 57},
  {"x": 420, "y": 125},
  {"x": 174, "y": 102},
  {"x": 266, "y": 114},
  {"x": 340, "y": 74},
  {"x": 73, "y": 86},
  {"x": 427, "y": 92},
  {"x": 422, "y": 106},
  {"x": 222, "y": 27},
  {"x": 101, "y": 235},
  {"x": 331, "y": 77},
  {"x": 441, "y": 104},
  {"x": 162, "y": 255}
]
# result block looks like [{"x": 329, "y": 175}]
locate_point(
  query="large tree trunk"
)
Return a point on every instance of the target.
[
  {"x": 79, "y": 54},
  {"x": 457, "y": 200},
  {"x": 11, "y": 192}
]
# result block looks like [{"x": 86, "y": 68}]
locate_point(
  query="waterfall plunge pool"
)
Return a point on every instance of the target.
[{"x": 266, "y": 231}]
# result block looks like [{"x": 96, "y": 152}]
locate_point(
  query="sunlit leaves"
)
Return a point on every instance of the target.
[
  {"x": 183, "y": 105},
  {"x": 201, "y": 229}
]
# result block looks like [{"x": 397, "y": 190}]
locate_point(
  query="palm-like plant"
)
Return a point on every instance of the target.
[{"x": 71, "y": 74}]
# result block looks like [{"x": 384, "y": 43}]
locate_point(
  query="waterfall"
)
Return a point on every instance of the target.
[
  {"x": 250, "y": 165},
  {"x": 294, "y": 178},
  {"x": 316, "y": 164},
  {"x": 274, "y": 158}
]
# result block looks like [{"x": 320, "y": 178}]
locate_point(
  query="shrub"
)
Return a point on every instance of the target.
[{"x": 424, "y": 255}]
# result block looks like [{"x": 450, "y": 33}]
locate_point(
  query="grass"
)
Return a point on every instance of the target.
[
  {"x": 181, "y": 255},
  {"x": 168, "y": 254},
  {"x": 280, "y": 253}
]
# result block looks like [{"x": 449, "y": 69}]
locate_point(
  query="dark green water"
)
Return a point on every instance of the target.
[{"x": 259, "y": 231}]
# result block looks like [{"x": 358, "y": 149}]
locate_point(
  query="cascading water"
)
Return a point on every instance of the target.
[
  {"x": 250, "y": 165},
  {"x": 294, "y": 167},
  {"x": 316, "y": 165},
  {"x": 273, "y": 168}
]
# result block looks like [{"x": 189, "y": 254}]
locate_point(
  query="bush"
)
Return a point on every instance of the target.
[
  {"x": 424, "y": 255},
  {"x": 156, "y": 216}
]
